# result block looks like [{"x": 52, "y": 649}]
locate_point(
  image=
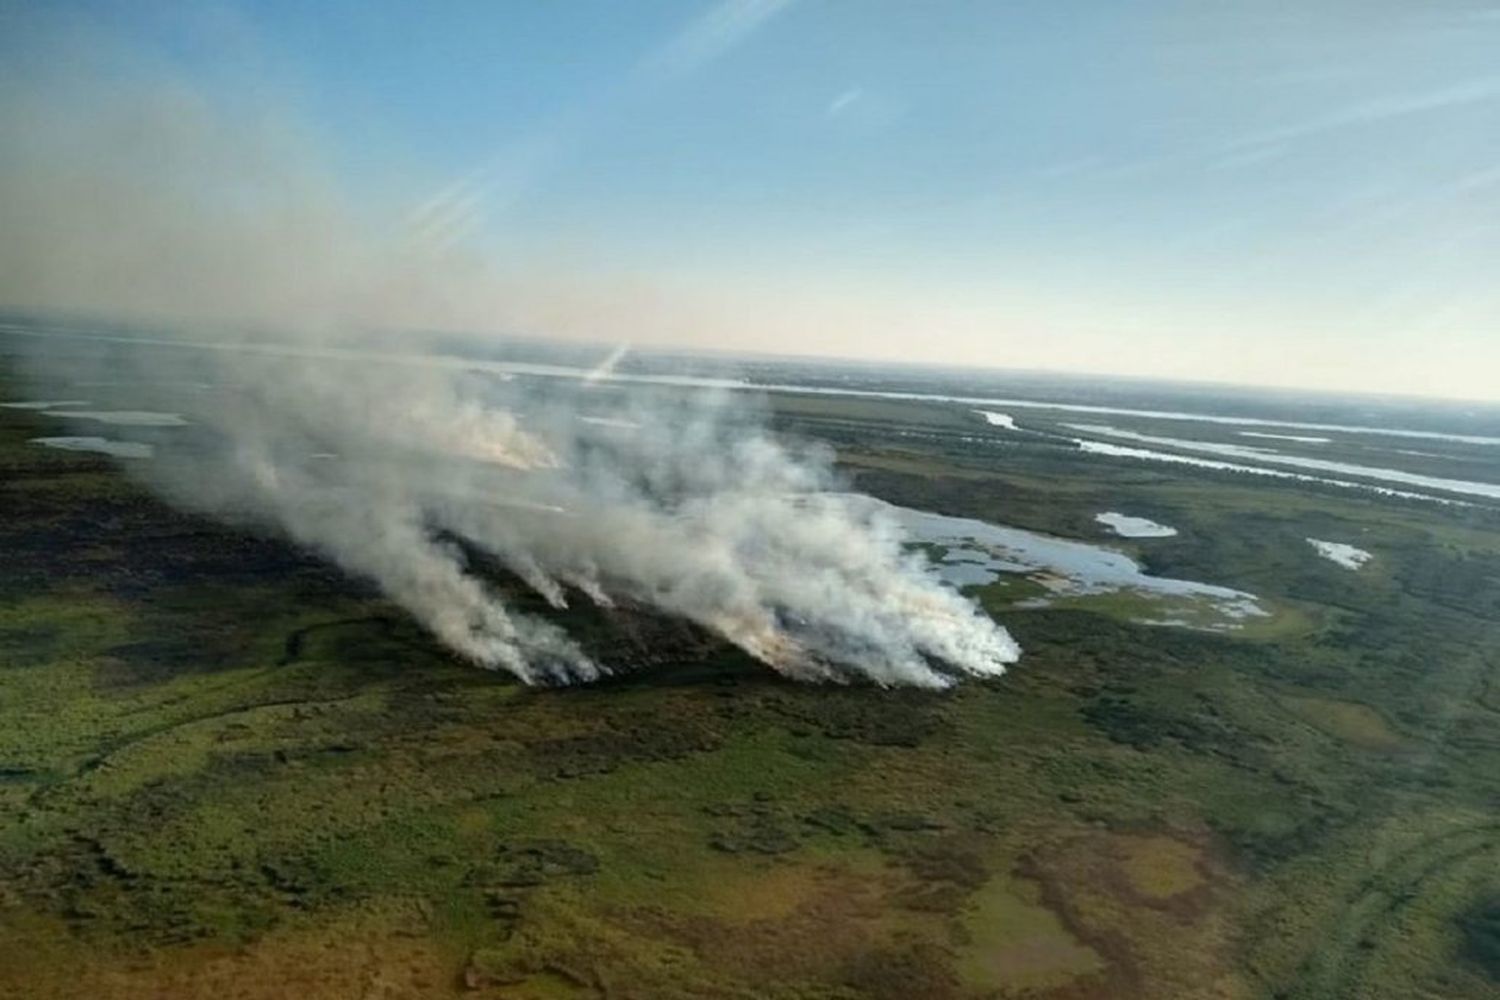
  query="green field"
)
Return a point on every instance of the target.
[{"x": 226, "y": 770}]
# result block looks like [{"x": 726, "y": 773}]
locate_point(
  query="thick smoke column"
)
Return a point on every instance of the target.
[
  {"x": 400, "y": 465},
  {"x": 393, "y": 468}
]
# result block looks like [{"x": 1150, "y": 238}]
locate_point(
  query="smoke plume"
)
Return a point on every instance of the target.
[{"x": 400, "y": 463}]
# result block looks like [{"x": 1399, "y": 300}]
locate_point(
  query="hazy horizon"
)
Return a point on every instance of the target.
[{"x": 1054, "y": 378}]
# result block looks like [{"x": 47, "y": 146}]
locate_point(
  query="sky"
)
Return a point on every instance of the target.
[{"x": 1262, "y": 192}]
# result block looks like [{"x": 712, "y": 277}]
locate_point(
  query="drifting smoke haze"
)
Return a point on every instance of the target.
[{"x": 150, "y": 202}]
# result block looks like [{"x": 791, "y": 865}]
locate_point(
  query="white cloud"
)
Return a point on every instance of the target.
[
  {"x": 1381, "y": 109},
  {"x": 841, "y": 103},
  {"x": 710, "y": 36}
]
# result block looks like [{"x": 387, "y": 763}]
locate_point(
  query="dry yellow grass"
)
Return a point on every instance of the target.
[
  {"x": 1350, "y": 721},
  {"x": 1016, "y": 943},
  {"x": 1159, "y": 868}
]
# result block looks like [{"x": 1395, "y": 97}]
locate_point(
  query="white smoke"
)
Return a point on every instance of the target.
[{"x": 403, "y": 467}]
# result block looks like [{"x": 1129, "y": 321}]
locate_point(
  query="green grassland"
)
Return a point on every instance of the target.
[{"x": 227, "y": 770}]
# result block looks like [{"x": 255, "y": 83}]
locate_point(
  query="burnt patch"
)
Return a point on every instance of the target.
[
  {"x": 873, "y": 717},
  {"x": 630, "y": 738},
  {"x": 1480, "y": 927}
]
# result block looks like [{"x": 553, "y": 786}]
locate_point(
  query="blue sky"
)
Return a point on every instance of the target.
[{"x": 1304, "y": 194}]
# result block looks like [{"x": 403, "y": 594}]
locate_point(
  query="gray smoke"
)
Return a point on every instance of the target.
[{"x": 401, "y": 463}]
